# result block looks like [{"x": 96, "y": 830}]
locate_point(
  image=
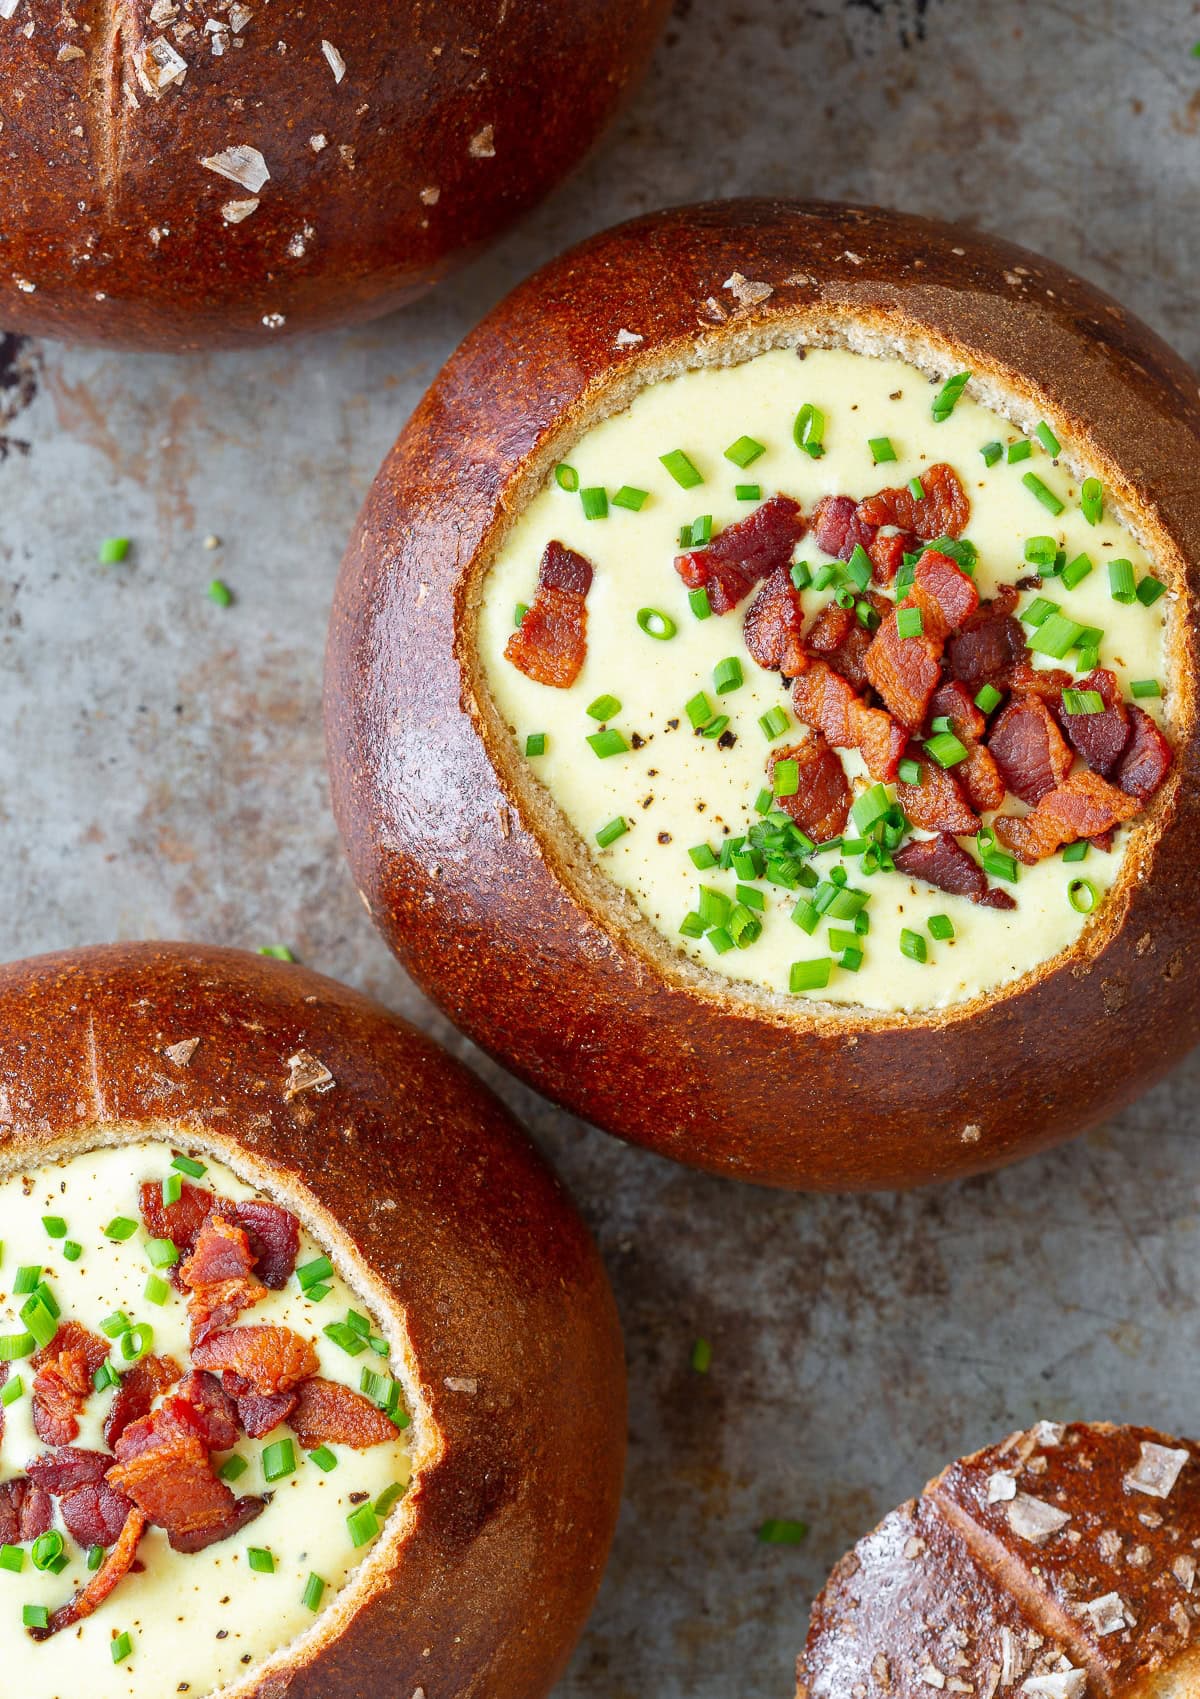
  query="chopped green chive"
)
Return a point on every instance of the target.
[
  {"x": 594, "y": 501},
  {"x": 39, "y": 1320},
  {"x": 945, "y": 749},
  {"x": 1149, "y": 590},
  {"x": 810, "y": 975},
  {"x": 941, "y": 927},
  {"x": 1046, "y": 496},
  {"x": 520, "y": 609},
  {"x": 162, "y": 1253},
  {"x": 869, "y": 807},
  {"x": 774, "y": 722},
  {"x": 1081, "y": 894},
  {"x": 363, "y": 1525},
  {"x": 987, "y": 698},
  {"x": 699, "y": 603},
  {"x": 702, "y": 857},
  {"x": 26, "y": 1279},
  {"x": 314, "y": 1587},
  {"x": 1076, "y": 851},
  {"x": 105, "y": 1378},
  {"x": 629, "y": 496},
  {"x": 608, "y": 742},
  {"x": 156, "y": 1291},
  {"x": 701, "y": 1356},
  {"x": 881, "y": 449},
  {"x": 233, "y": 1468},
  {"x": 12, "y": 1558},
  {"x": 280, "y": 952},
  {"x": 279, "y": 1460},
  {"x": 566, "y": 477},
  {"x": 916, "y": 489},
  {"x": 1055, "y": 635},
  {"x": 46, "y": 1550},
  {"x": 801, "y": 575},
  {"x": 744, "y": 451},
  {"x": 121, "y": 1647},
  {"x": 1041, "y": 552},
  {"x": 727, "y": 675},
  {"x": 95, "y": 1557},
  {"x": 913, "y": 945},
  {"x": 947, "y": 398},
  {"x": 610, "y": 833},
  {"x": 535, "y": 744},
  {"x": 261, "y": 1561},
  {"x": 692, "y": 926},
  {"x": 115, "y": 1325},
  {"x": 991, "y": 452},
  {"x": 656, "y": 624},
  {"x": 188, "y": 1164},
  {"x": 1019, "y": 450},
  {"x": 681, "y": 469},
  {"x": 910, "y": 622},
  {"x": 1000, "y": 866},
  {"x": 778, "y": 1531},
  {"x": 1082, "y": 702},
  {"x": 35, "y": 1616},
  {"x": 909, "y": 772},
  {"x": 603, "y": 708},
  {"x": 13, "y": 1389},
  {"x": 785, "y": 780},
  {"x": 120, "y": 1228},
  {"x": 1076, "y": 571},
  {"x": 1091, "y": 500},
  {"x": 112, "y": 550},
  {"x": 172, "y": 1186},
  {"x": 1048, "y": 440},
  {"x": 220, "y": 593},
  {"x": 1142, "y": 687},
  {"x": 388, "y": 1497},
  {"x": 137, "y": 1343},
  {"x": 808, "y": 430},
  {"x": 56, "y": 1227},
  {"x": 323, "y": 1458},
  {"x": 1121, "y": 581},
  {"x": 747, "y": 492}
]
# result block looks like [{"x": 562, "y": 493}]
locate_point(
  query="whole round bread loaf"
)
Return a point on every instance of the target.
[{"x": 181, "y": 176}]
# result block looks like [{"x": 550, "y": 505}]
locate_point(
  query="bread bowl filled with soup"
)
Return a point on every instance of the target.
[{"x": 761, "y": 693}]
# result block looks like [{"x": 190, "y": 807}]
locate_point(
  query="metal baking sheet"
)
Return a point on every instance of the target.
[{"x": 161, "y": 775}]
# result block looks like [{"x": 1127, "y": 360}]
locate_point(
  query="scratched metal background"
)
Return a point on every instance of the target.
[{"x": 161, "y": 775}]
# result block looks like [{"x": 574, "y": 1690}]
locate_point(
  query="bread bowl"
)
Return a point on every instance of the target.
[
  {"x": 456, "y": 1498},
  {"x": 180, "y": 176},
  {"x": 1060, "y": 1564},
  {"x": 537, "y": 887}
]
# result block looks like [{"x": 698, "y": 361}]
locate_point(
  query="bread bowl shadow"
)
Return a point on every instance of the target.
[
  {"x": 449, "y": 1229},
  {"x": 492, "y": 899}
]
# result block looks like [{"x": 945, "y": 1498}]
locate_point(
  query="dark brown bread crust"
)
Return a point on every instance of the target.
[
  {"x": 951, "y": 1586},
  {"x": 512, "y": 1323},
  {"x": 437, "y": 819},
  {"x": 452, "y": 119}
]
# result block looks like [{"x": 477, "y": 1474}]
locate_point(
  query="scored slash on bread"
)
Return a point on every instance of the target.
[{"x": 1059, "y": 1564}]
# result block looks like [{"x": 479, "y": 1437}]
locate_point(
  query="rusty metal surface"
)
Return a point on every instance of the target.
[{"x": 160, "y": 775}]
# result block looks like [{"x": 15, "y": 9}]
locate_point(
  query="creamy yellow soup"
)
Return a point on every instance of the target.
[
  {"x": 197, "y": 1622},
  {"x": 678, "y": 790}
]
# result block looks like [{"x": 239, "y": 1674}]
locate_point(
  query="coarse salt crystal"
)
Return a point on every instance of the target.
[
  {"x": 159, "y": 67},
  {"x": 1033, "y": 1520},
  {"x": 233, "y": 212},
  {"x": 483, "y": 144},
  {"x": 241, "y": 164},
  {"x": 745, "y": 290},
  {"x": 318, "y": 142},
  {"x": 336, "y": 63},
  {"x": 1156, "y": 1471},
  {"x": 1002, "y": 1487}
]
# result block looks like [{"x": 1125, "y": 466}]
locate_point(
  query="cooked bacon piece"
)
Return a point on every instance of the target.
[
  {"x": 905, "y": 671},
  {"x": 822, "y": 803},
  {"x": 63, "y": 1381},
  {"x": 1028, "y": 748},
  {"x": 258, "y": 1412},
  {"x": 942, "y": 861},
  {"x": 936, "y": 804},
  {"x": 989, "y": 643},
  {"x": 550, "y": 644},
  {"x": 218, "y": 1274},
  {"x": 1099, "y": 738},
  {"x": 68, "y": 1468},
  {"x": 824, "y": 701},
  {"x": 25, "y": 1511},
  {"x": 838, "y": 636},
  {"x": 750, "y": 549},
  {"x": 981, "y": 779},
  {"x": 148, "y": 1377},
  {"x": 214, "y": 1411},
  {"x": 272, "y": 1359},
  {"x": 274, "y": 1235},
  {"x": 1083, "y": 806},
  {"x": 943, "y": 510},
  {"x": 944, "y": 594},
  {"x": 89, "y": 1598},
  {"x": 95, "y": 1515},
  {"x": 164, "y": 1467},
  {"x": 180, "y": 1221},
  {"x": 1147, "y": 757},
  {"x": 198, "y": 1539},
  {"x": 1024, "y": 679},
  {"x": 887, "y": 554},
  {"x": 838, "y": 528},
  {"x": 953, "y": 701},
  {"x": 328, "y": 1413},
  {"x": 774, "y": 626}
]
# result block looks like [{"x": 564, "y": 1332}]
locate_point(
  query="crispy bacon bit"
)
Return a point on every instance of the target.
[
  {"x": 1100, "y": 738},
  {"x": 274, "y": 1235},
  {"x": 954, "y": 702},
  {"x": 944, "y": 594},
  {"x": 68, "y": 1468},
  {"x": 838, "y": 636},
  {"x": 943, "y": 862},
  {"x": 743, "y": 553},
  {"x": 1081, "y": 807},
  {"x": 988, "y": 644},
  {"x": 180, "y": 1221},
  {"x": 822, "y": 803},
  {"x": 905, "y": 671},
  {"x": 164, "y": 1467},
  {"x": 272, "y": 1359},
  {"x": 550, "y": 645},
  {"x": 980, "y": 778},
  {"x": 258, "y": 1412},
  {"x": 115, "y": 1566},
  {"x": 94, "y": 1515},
  {"x": 328, "y": 1413},
  {"x": 1028, "y": 748},
  {"x": 198, "y": 1539},
  {"x": 824, "y": 701},
  {"x": 936, "y": 804},
  {"x": 211, "y": 1408},
  {"x": 218, "y": 1274},
  {"x": 839, "y": 529},
  {"x": 63, "y": 1381},
  {"x": 25, "y": 1512},
  {"x": 887, "y": 554},
  {"x": 774, "y": 626},
  {"x": 943, "y": 511},
  {"x": 1147, "y": 757},
  {"x": 148, "y": 1377}
]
